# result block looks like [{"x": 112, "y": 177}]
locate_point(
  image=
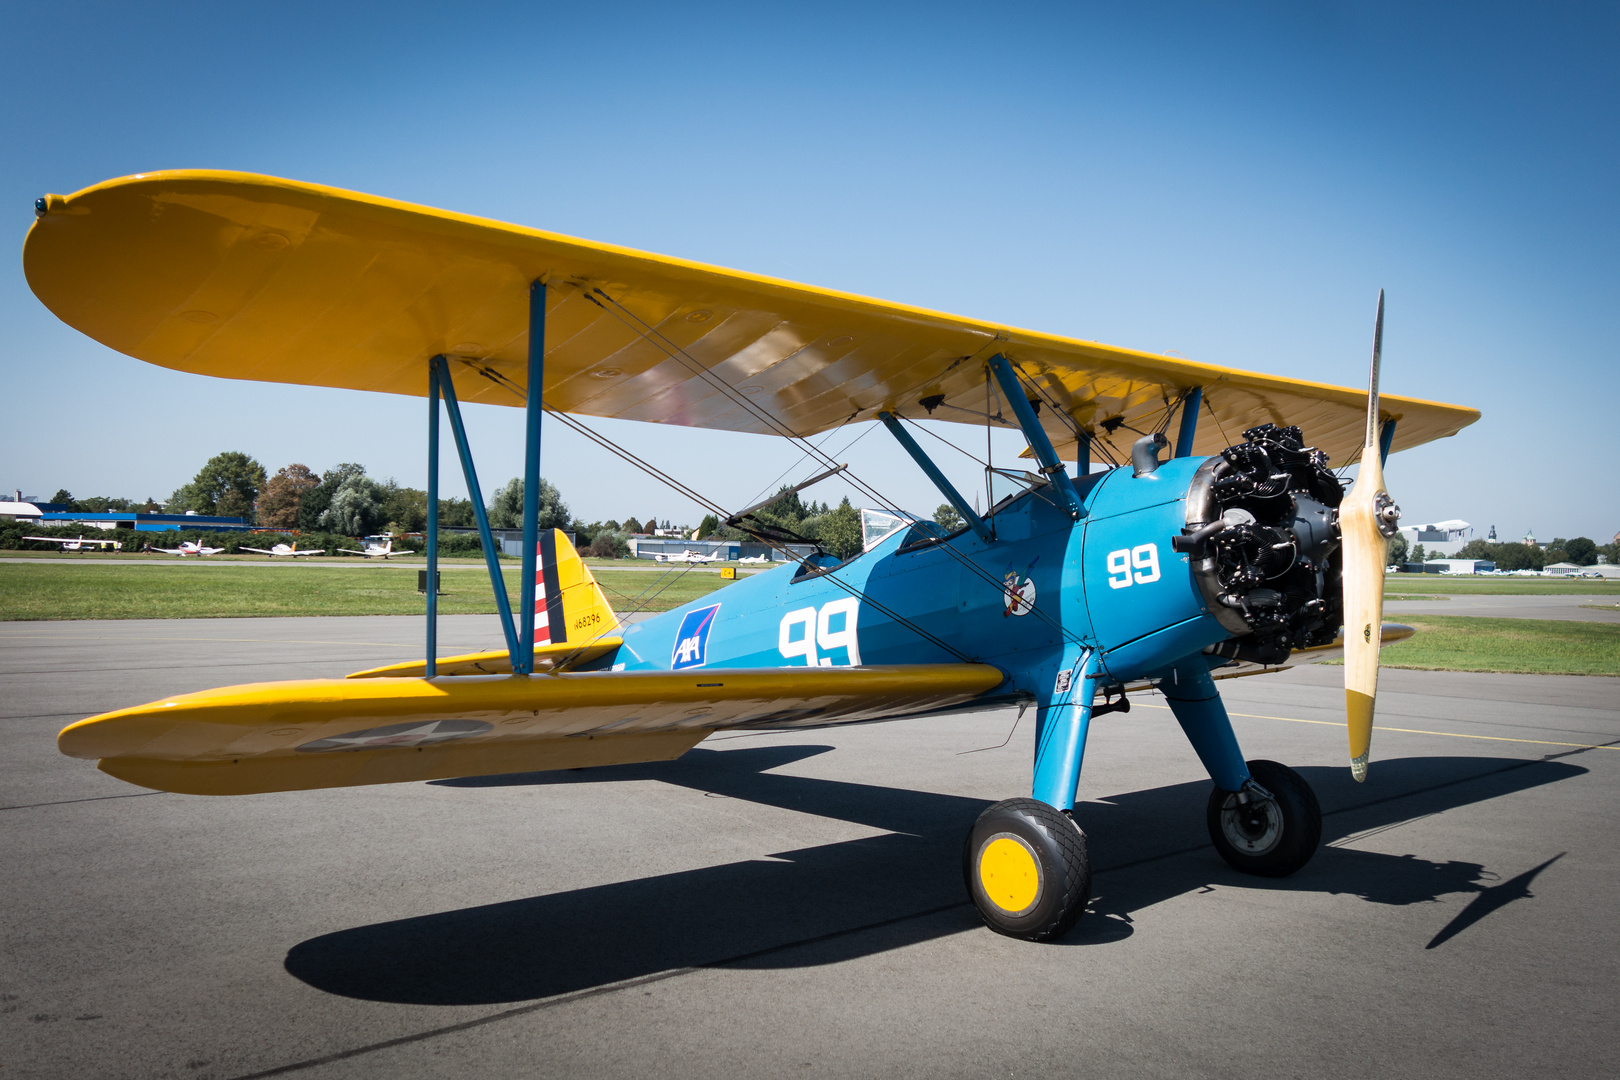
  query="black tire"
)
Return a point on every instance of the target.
[
  {"x": 997, "y": 872},
  {"x": 1268, "y": 837}
]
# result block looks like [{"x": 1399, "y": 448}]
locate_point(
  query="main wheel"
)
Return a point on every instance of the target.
[
  {"x": 1027, "y": 870},
  {"x": 1269, "y": 837}
]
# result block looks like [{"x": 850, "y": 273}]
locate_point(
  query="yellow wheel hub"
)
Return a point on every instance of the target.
[{"x": 1009, "y": 874}]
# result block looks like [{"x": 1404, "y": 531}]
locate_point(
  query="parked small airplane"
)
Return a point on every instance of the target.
[
  {"x": 376, "y": 551},
  {"x": 1238, "y": 554},
  {"x": 688, "y": 557},
  {"x": 755, "y": 560},
  {"x": 80, "y": 544},
  {"x": 187, "y": 547},
  {"x": 285, "y": 549}
]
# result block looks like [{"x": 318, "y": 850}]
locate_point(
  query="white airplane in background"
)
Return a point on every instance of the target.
[
  {"x": 283, "y": 549},
  {"x": 756, "y": 559},
  {"x": 77, "y": 545},
  {"x": 187, "y": 547},
  {"x": 688, "y": 557},
  {"x": 1448, "y": 526},
  {"x": 376, "y": 551}
]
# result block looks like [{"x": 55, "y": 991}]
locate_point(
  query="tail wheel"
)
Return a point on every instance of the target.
[
  {"x": 1027, "y": 869},
  {"x": 1273, "y": 833}
]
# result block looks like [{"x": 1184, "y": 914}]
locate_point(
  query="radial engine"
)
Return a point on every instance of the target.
[{"x": 1262, "y": 533}]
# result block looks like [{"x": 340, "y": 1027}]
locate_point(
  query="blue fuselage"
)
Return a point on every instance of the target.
[{"x": 1045, "y": 586}]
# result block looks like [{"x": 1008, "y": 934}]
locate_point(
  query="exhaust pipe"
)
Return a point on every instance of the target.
[{"x": 1145, "y": 453}]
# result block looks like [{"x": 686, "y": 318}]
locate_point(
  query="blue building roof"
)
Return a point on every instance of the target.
[{"x": 128, "y": 519}]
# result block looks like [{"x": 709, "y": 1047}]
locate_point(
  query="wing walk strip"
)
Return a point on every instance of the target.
[{"x": 675, "y": 973}]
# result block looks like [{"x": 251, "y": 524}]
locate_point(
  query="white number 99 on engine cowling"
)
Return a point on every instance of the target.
[{"x": 1133, "y": 566}]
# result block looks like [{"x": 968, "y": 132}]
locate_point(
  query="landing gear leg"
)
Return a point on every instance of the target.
[
  {"x": 1262, "y": 816},
  {"x": 1025, "y": 861}
]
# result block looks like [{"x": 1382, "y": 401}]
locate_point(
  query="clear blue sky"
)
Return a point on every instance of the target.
[{"x": 1230, "y": 181}]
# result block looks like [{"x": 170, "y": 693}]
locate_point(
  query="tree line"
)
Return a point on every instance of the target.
[
  {"x": 835, "y": 529},
  {"x": 344, "y": 501},
  {"x": 1513, "y": 555}
]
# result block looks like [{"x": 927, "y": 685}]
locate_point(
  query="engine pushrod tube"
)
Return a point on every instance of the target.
[
  {"x": 492, "y": 557},
  {"x": 946, "y": 488},
  {"x": 1038, "y": 442}
]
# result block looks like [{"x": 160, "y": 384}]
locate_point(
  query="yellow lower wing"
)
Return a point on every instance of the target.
[{"x": 318, "y": 733}]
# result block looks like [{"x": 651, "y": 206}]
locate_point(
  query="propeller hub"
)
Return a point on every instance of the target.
[{"x": 1386, "y": 514}]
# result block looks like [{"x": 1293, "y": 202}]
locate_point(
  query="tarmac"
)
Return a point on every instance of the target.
[
  {"x": 1577, "y": 607},
  {"x": 792, "y": 904}
]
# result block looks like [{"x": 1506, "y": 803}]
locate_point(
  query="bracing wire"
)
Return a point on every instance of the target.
[
  {"x": 766, "y": 490},
  {"x": 965, "y": 453},
  {"x": 1073, "y": 424},
  {"x": 1213, "y": 415},
  {"x": 651, "y": 333},
  {"x": 608, "y": 444}
]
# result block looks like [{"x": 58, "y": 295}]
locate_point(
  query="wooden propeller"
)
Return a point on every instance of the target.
[{"x": 1367, "y": 520}]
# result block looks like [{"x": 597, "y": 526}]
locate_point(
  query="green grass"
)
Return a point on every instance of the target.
[
  {"x": 1425, "y": 586},
  {"x": 190, "y": 590},
  {"x": 1530, "y": 646}
]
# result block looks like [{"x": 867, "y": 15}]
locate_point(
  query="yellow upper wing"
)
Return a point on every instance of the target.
[{"x": 252, "y": 277}]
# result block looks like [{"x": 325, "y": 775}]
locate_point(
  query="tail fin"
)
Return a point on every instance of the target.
[
  {"x": 573, "y": 621},
  {"x": 569, "y": 606}
]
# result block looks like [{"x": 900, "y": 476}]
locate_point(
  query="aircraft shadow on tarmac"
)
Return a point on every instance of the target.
[{"x": 799, "y": 908}]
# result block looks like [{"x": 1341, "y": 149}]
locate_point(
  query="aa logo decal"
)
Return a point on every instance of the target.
[{"x": 692, "y": 639}]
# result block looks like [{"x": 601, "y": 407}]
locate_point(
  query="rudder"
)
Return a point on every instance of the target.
[{"x": 569, "y": 606}]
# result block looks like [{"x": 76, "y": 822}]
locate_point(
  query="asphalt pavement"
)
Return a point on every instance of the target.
[
  {"x": 792, "y": 904},
  {"x": 1579, "y": 607}
]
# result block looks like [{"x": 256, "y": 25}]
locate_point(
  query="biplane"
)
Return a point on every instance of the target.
[{"x": 1231, "y": 549}]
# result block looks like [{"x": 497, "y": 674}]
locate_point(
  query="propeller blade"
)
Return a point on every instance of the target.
[{"x": 1367, "y": 519}]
